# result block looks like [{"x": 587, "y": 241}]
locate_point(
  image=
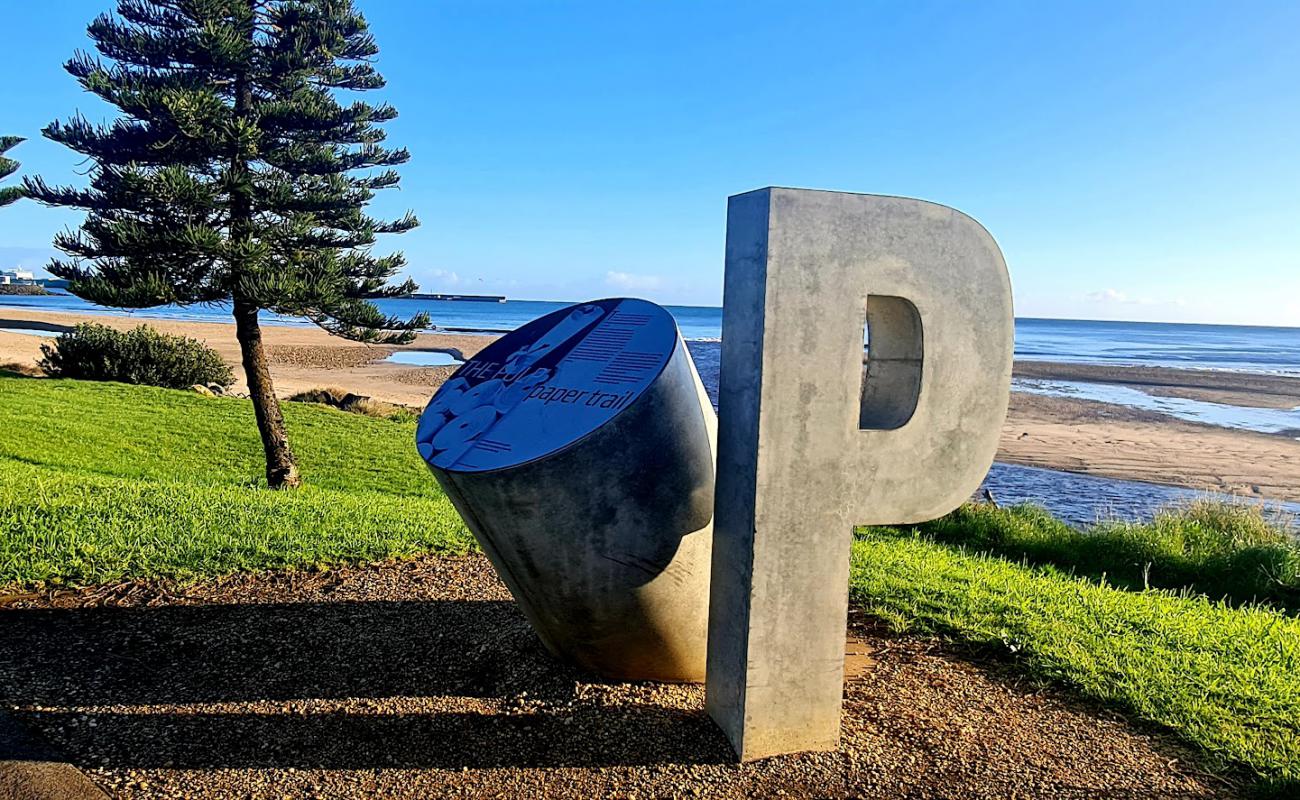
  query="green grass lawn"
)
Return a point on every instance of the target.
[
  {"x": 1225, "y": 679},
  {"x": 1221, "y": 550},
  {"x": 103, "y": 481}
]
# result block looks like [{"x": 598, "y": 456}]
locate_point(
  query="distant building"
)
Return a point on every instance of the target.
[{"x": 17, "y": 277}]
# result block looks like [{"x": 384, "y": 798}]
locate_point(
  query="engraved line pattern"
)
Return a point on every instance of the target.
[
  {"x": 628, "y": 368},
  {"x": 608, "y": 339}
]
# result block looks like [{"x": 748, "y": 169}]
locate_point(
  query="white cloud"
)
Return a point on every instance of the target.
[
  {"x": 631, "y": 282},
  {"x": 1107, "y": 296},
  {"x": 446, "y": 278},
  {"x": 1116, "y": 297}
]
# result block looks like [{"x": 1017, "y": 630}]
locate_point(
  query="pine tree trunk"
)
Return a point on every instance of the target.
[{"x": 281, "y": 467}]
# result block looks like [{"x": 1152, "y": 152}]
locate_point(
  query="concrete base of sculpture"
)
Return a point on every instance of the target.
[
  {"x": 604, "y": 541},
  {"x": 808, "y": 446}
]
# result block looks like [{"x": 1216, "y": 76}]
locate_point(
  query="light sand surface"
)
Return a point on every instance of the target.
[
  {"x": 1075, "y": 435},
  {"x": 302, "y": 357}
]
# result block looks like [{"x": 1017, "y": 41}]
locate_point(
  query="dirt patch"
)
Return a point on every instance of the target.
[
  {"x": 432, "y": 377},
  {"x": 421, "y": 678}
]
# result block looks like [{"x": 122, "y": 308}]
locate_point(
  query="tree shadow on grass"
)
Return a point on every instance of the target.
[{"x": 449, "y": 684}]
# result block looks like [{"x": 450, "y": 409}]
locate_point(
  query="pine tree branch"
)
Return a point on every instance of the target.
[
  {"x": 8, "y": 166},
  {"x": 233, "y": 169}
]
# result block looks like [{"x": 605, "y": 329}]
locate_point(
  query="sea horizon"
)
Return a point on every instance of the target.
[
  {"x": 1264, "y": 349},
  {"x": 5, "y": 300}
]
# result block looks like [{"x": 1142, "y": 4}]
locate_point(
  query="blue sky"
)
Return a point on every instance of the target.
[{"x": 1134, "y": 160}]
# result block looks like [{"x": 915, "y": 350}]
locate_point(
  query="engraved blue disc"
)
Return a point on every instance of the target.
[{"x": 546, "y": 385}]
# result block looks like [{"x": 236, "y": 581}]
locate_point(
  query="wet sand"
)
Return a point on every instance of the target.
[
  {"x": 1119, "y": 442},
  {"x": 1058, "y": 433},
  {"x": 1232, "y": 388},
  {"x": 1122, "y": 442}
]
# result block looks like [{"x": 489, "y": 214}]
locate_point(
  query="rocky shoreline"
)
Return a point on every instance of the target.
[{"x": 27, "y": 290}]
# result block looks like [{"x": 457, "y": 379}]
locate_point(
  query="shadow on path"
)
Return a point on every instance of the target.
[{"x": 439, "y": 683}]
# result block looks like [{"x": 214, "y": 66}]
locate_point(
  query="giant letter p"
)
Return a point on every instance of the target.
[{"x": 811, "y": 443}]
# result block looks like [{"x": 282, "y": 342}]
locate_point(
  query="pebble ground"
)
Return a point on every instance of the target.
[{"x": 420, "y": 679}]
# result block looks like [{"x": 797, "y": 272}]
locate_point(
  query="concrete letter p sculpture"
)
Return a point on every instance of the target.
[
  {"x": 580, "y": 450},
  {"x": 811, "y": 444}
]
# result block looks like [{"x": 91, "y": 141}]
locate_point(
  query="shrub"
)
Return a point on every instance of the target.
[
  {"x": 344, "y": 400},
  {"x": 325, "y": 395},
  {"x": 18, "y": 369},
  {"x": 141, "y": 355},
  {"x": 381, "y": 410}
]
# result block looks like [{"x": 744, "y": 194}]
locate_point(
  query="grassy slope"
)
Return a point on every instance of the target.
[
  {"x": 1220, "y": 550},
  {"x": 1226, "y": 679},
  {"x": 102, "y": 481}
]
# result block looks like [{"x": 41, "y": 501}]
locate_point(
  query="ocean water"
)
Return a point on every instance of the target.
[
  {"x": 1240, "y": 348},
  {"x": 450, "y": 315},
  {"x": 1221, "y": 347}
]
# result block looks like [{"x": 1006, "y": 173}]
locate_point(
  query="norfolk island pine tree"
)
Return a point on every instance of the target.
[
  {"x": 8, "y": 166},
  {"x": 235, "y": 174}
]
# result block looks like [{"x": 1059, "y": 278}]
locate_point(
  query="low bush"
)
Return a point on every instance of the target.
[
  {"x": 325, "y": 395},
  {"x": 20, "y": 370},
  {"x": 382, "y": 410},
  {"x": 1222, "y": 550},
  {"x": 344, "y": 400},
  {"x": 141, "y": 355}
]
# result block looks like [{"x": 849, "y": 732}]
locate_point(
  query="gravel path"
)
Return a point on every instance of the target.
[{"x": 420, "y": 679}]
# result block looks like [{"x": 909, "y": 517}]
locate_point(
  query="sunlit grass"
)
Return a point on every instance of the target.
[
  {"x": 1222, "y": 550},
  {"x": 1225, "y": 679},
  {"x": 103, "y": 481}
]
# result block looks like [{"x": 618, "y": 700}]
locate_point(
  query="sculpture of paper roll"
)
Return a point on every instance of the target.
[{"x": 579, "y": 450}]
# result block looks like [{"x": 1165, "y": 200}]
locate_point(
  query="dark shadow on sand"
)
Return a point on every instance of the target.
[{"x": 34, "y": 325}]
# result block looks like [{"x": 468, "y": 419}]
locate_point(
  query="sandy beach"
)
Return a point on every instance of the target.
[
  {"x": 302, "y": 358},
  {"x": 1059, "y": 433}
]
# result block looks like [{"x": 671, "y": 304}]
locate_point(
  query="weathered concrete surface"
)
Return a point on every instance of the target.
[
  {"x": 796, "y": 469},
  {"x": 606, "y": 544}
]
